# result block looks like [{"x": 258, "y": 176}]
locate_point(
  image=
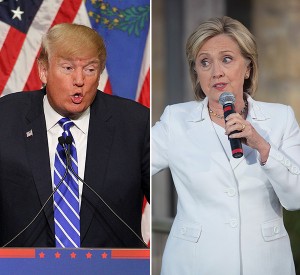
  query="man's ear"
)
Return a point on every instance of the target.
[{"x": 43, "y": 70}]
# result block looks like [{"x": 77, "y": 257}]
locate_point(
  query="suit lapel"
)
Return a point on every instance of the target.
[
  {"x": 100, "y": 137},
  {"x": 36, "y": 141},
  {"x": 258, "y": 118},
  {"x": 202, "y": 133}
]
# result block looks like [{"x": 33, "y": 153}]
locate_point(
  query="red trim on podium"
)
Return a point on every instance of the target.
[
  {"x": 17, "y": 253},
  {"x": 130, "y": 254}
]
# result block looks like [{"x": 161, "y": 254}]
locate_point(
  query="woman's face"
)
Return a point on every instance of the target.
[{"x": 221, "y": 67}]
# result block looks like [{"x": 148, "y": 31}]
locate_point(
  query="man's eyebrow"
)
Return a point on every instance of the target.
[
  {"x": 96, "y": 61},
  {"x": 71, "y": 60}
]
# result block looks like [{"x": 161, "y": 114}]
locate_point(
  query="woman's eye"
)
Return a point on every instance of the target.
[
  {"x": 227, "y": 59},
  {"x": 204, "y": 63}
]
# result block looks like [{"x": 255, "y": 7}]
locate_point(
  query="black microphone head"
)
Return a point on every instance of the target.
[
  {"x": 69, "y": 140},
  {"x": 61, "y": 140},
  {"x": 226, "y": 97}
]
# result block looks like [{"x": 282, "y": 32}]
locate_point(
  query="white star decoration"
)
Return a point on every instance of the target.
[{"x": 17, "y": 13}]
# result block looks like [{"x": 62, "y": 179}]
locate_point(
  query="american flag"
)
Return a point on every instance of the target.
[{"x": 124, "y": 25}]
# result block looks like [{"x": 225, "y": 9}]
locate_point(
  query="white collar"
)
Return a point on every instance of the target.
[
  {"x": 52, "y": 117},
  {"x": 200, "y": 112}
]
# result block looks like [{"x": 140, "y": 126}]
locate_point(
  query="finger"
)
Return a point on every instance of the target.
[
  {"x": 240, "y": 127},
  {"x": 235, "y": 120},
  {"x": 243, "y": 127},
  {"x": 232, "y": 116},
  {"x": 237, "y": 135},
  {"x": 244, "y": 131}
]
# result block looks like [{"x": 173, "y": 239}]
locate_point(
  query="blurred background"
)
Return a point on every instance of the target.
[{"x": 276, "y": 26}]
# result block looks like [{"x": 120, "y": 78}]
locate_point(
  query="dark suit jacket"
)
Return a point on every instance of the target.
[{"x": 117, "y": 168}]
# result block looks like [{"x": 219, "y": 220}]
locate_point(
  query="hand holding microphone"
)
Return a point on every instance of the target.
[
  {"x": 245, "y": 131},
  {"x": 227, "y": 100}
]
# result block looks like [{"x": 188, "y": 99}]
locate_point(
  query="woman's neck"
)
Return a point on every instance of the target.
[{"x": 217, "y": 114}]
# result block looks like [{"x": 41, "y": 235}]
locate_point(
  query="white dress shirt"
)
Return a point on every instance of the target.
[{"x": 79, "y": 132}]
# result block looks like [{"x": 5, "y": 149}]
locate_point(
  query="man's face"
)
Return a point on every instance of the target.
[{"x": 71, "y": 84}]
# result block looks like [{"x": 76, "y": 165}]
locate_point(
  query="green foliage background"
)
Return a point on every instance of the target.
[
  {"x": 292, "y": 224},
  {"x": 131, "y": 20}
]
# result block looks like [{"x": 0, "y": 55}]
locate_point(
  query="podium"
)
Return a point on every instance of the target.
[{"x": 74, "y": 261}]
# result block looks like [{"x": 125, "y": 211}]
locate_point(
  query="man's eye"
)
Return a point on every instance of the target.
[
  {"x": 67, "y": 68},
  {"x": 90, "y": 70}
]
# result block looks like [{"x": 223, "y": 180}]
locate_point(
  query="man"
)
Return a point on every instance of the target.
[{"x": 111, "y": 140}]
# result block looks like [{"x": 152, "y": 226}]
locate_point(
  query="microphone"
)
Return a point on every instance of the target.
[
  {"x": 68, "y": 141},
  {"x": 61, "y": 141},
  {"x": 227, "y": 100}
]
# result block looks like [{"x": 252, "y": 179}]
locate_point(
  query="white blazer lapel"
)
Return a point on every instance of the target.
[
  {"x": 201, "y": 133},
  {"x": 257, "y": 117}
]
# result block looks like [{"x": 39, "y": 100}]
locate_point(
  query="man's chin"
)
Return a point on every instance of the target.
[{"x": 75, "y": 113}]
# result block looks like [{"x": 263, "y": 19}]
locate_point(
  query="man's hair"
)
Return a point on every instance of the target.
[{"x": 72, "y": 40}]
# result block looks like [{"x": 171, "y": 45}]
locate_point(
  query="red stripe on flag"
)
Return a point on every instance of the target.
[
  {"x": 144, "y": 97},
  {"x": 108, "y": 88},
  {"x": 144, "y": 203},
  {"x": 130, "y": 254},
  {"x": 9, "y": 54},
  {"x": 66, "y": 14},
  {"x": 17, "y": 253},
  {"x": 33, "y": 82},
  {"x": 67, "y": 11}
]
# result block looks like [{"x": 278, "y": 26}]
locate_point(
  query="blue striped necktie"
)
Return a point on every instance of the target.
[{"x": 66, "y": 198}]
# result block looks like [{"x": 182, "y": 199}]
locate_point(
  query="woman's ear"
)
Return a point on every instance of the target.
[{"x": 247, "y": 74}]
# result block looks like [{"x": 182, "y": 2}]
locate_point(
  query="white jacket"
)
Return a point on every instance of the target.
[{"x": 229, "y": 213}]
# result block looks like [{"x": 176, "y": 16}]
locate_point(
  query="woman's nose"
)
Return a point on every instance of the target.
[{"x": 217, "y": 70}]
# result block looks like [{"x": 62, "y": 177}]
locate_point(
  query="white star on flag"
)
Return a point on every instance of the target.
[
  {"x": 17, "y": 13},
  {"x": 21, "y": 31}
]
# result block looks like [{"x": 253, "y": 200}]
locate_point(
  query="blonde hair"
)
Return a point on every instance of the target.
[
  {"x": 235, "y": 30},
  {"x": 69, "y": 40}
]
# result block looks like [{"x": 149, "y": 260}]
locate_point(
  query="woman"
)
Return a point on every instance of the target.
[{"x": 229, "y": 214}]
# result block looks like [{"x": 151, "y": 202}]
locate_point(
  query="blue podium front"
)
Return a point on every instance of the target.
[{"x": 74, "y": 261}]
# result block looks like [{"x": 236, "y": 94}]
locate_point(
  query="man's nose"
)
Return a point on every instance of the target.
[{"x": 78, "y": 79}]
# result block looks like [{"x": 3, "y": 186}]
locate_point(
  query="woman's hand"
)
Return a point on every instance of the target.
[{"x": 248, "y": 135}]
